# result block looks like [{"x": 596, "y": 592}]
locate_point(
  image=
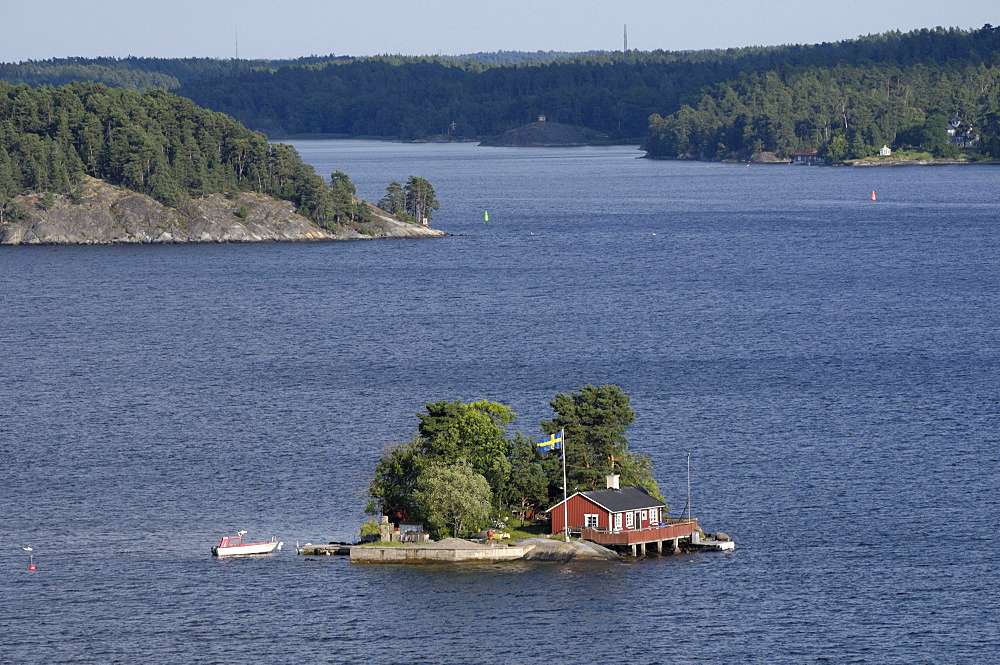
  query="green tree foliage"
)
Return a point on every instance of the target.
[
  {"x": 390, "y": 491},
  {"x": 529, "y": 486},
  {"x": 370, "y": 528},
  {"x": 901, "y": 93},
  {"x": 612, "y": 93},
  {"x": 394, "y": 201},
  {"x": 139, "y": 73},
  {"x": 449, "y": 433},
  {"x": 453, "y": 497},
  {"x": 154, "y": 143},
  {"x": 765, "y": 98},
  {"x": 474, "y": 432},
  {"x": 594, "y": 420},
  {"x": 420, "y": 200}
]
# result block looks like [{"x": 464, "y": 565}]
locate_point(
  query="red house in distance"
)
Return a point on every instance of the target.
[{"x": 620, "y": 516}]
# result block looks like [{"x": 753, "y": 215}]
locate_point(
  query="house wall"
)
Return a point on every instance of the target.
[{"x": 577, "y": 507}]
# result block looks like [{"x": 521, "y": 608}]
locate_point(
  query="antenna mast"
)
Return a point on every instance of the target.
[
  {"x": 625, "y": 47},
  {"x": 689, "y": 486},
  {"x": 237, "y": 31}
]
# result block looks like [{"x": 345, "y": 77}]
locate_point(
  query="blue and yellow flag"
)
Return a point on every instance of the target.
[{"x": 552, "y": 442}]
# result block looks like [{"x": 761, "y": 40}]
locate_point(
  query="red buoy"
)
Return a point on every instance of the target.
[
  {"x": 873, "y": 195},
  {"x": 31, "y": 566}
]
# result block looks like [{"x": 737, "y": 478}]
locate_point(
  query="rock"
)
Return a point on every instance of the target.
[
  {"x": 546, "y": 549},
  {"x": 721, "y": 537},
  {"x": 766, "y": 158}
]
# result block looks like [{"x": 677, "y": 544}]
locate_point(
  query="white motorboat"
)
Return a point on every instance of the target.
[{"x": 233, "y": 545}]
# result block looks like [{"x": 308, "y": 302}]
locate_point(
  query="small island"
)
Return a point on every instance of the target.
[
  {"x": 463, "y": 491},
  {"x": 541, "y": 134}
]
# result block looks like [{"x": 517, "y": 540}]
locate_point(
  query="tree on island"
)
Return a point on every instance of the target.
[
  {"x": 394, "y": 201},
  {"x": 453, "y": 498},
  {"x": 594, "y": 420},
  {"x": 420, "y": 198},
  {"x": 529, "y": 485},
  {"x": 450, "y": 433}
]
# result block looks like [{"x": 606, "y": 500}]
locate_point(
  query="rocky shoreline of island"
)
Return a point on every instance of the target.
[{"x": 103, "y": 214}]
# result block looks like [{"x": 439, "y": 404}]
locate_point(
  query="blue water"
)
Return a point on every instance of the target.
[{"x": 831, "y": 364}]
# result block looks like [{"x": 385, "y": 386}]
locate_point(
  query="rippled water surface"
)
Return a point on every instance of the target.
[{"x": 831, "y": 363}]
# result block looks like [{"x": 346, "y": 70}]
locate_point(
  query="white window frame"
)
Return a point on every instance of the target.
[
  {"x": 645, "y": 515},
  {"x": 618, "y": 521},
  {"x": 630, "y": 520},
  {"x": 653, "y": 516},
  {"x": 591, "y": 520}
]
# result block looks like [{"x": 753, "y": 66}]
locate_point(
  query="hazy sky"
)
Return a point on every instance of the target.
[{"x": 42, "y": 29}]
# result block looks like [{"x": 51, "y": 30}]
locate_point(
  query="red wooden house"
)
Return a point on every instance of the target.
[{"x": 619, "y": 516}]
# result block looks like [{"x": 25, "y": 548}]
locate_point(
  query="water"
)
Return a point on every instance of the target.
[{"x": 830, "y": 363}]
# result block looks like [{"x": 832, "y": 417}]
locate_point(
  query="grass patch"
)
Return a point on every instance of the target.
[{"x": 529, "y": 530}]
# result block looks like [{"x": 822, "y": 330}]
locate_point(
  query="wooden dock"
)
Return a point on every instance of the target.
[{"x": 671, "y": 532}]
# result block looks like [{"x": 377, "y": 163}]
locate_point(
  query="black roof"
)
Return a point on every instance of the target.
[{"x": 617, "y": 501}]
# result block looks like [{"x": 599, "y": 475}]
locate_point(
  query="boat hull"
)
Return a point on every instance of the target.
[{"x": 250, "y": 548}]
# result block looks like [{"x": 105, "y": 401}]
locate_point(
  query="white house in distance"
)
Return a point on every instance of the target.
[{"x": 886, "y": 151}]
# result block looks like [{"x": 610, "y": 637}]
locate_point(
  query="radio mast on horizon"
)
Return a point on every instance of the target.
[{"x": 625, "y": 46}]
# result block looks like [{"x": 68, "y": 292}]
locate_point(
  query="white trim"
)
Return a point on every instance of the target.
[{"x": 591, "y": 520}]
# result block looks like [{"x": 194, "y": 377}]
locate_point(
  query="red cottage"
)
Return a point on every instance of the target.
[{"x": 620, "y": 516}]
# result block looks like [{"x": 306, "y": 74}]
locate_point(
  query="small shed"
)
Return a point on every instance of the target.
[
  {"x": 807, "y": 157},
  {"x": 613, "y": 509}
]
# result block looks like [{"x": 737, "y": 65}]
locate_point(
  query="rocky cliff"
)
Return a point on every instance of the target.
[{"x": 104, "y": 214}]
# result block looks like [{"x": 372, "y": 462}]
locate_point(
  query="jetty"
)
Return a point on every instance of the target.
[
  {"x": 330, "y": 549},
  {"x": 449, "y": 550}
]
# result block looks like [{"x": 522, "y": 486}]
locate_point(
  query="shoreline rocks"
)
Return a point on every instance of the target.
[{"x": 103, "y": 214}]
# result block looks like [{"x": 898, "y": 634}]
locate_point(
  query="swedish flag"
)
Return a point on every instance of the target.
[{"x": 552, "y": 442}]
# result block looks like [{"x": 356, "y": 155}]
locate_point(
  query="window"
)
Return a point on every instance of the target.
[
  {"x": 645, "y": 515},
  {"x": 618, "y": 521},
  {"x": 653, "y": 516},
  {"x": 629, "y": 520},
  {"x": 590, "y": 521}
]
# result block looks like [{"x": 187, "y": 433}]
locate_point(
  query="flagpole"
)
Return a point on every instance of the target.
[{"x": 562, "y": 435}]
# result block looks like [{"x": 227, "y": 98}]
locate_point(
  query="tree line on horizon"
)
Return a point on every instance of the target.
[
  {"x": 786, "y": 94},
  {"x": 845, "y": 98}
]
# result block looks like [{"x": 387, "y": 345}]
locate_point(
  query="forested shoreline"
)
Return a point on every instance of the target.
[
  {"x": 845, "y": 99},
  {"x": 153, "y": 143}
]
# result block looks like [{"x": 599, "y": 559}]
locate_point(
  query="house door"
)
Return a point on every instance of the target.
[{"x": 618, "y": 521}]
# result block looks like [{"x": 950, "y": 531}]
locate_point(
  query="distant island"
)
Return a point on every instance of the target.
[
  {"x": 540, "y": 134},
  {"x": 88, "y": 164}
]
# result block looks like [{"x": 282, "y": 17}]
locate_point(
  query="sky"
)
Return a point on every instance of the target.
[{"x": 281, "y": 29}]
